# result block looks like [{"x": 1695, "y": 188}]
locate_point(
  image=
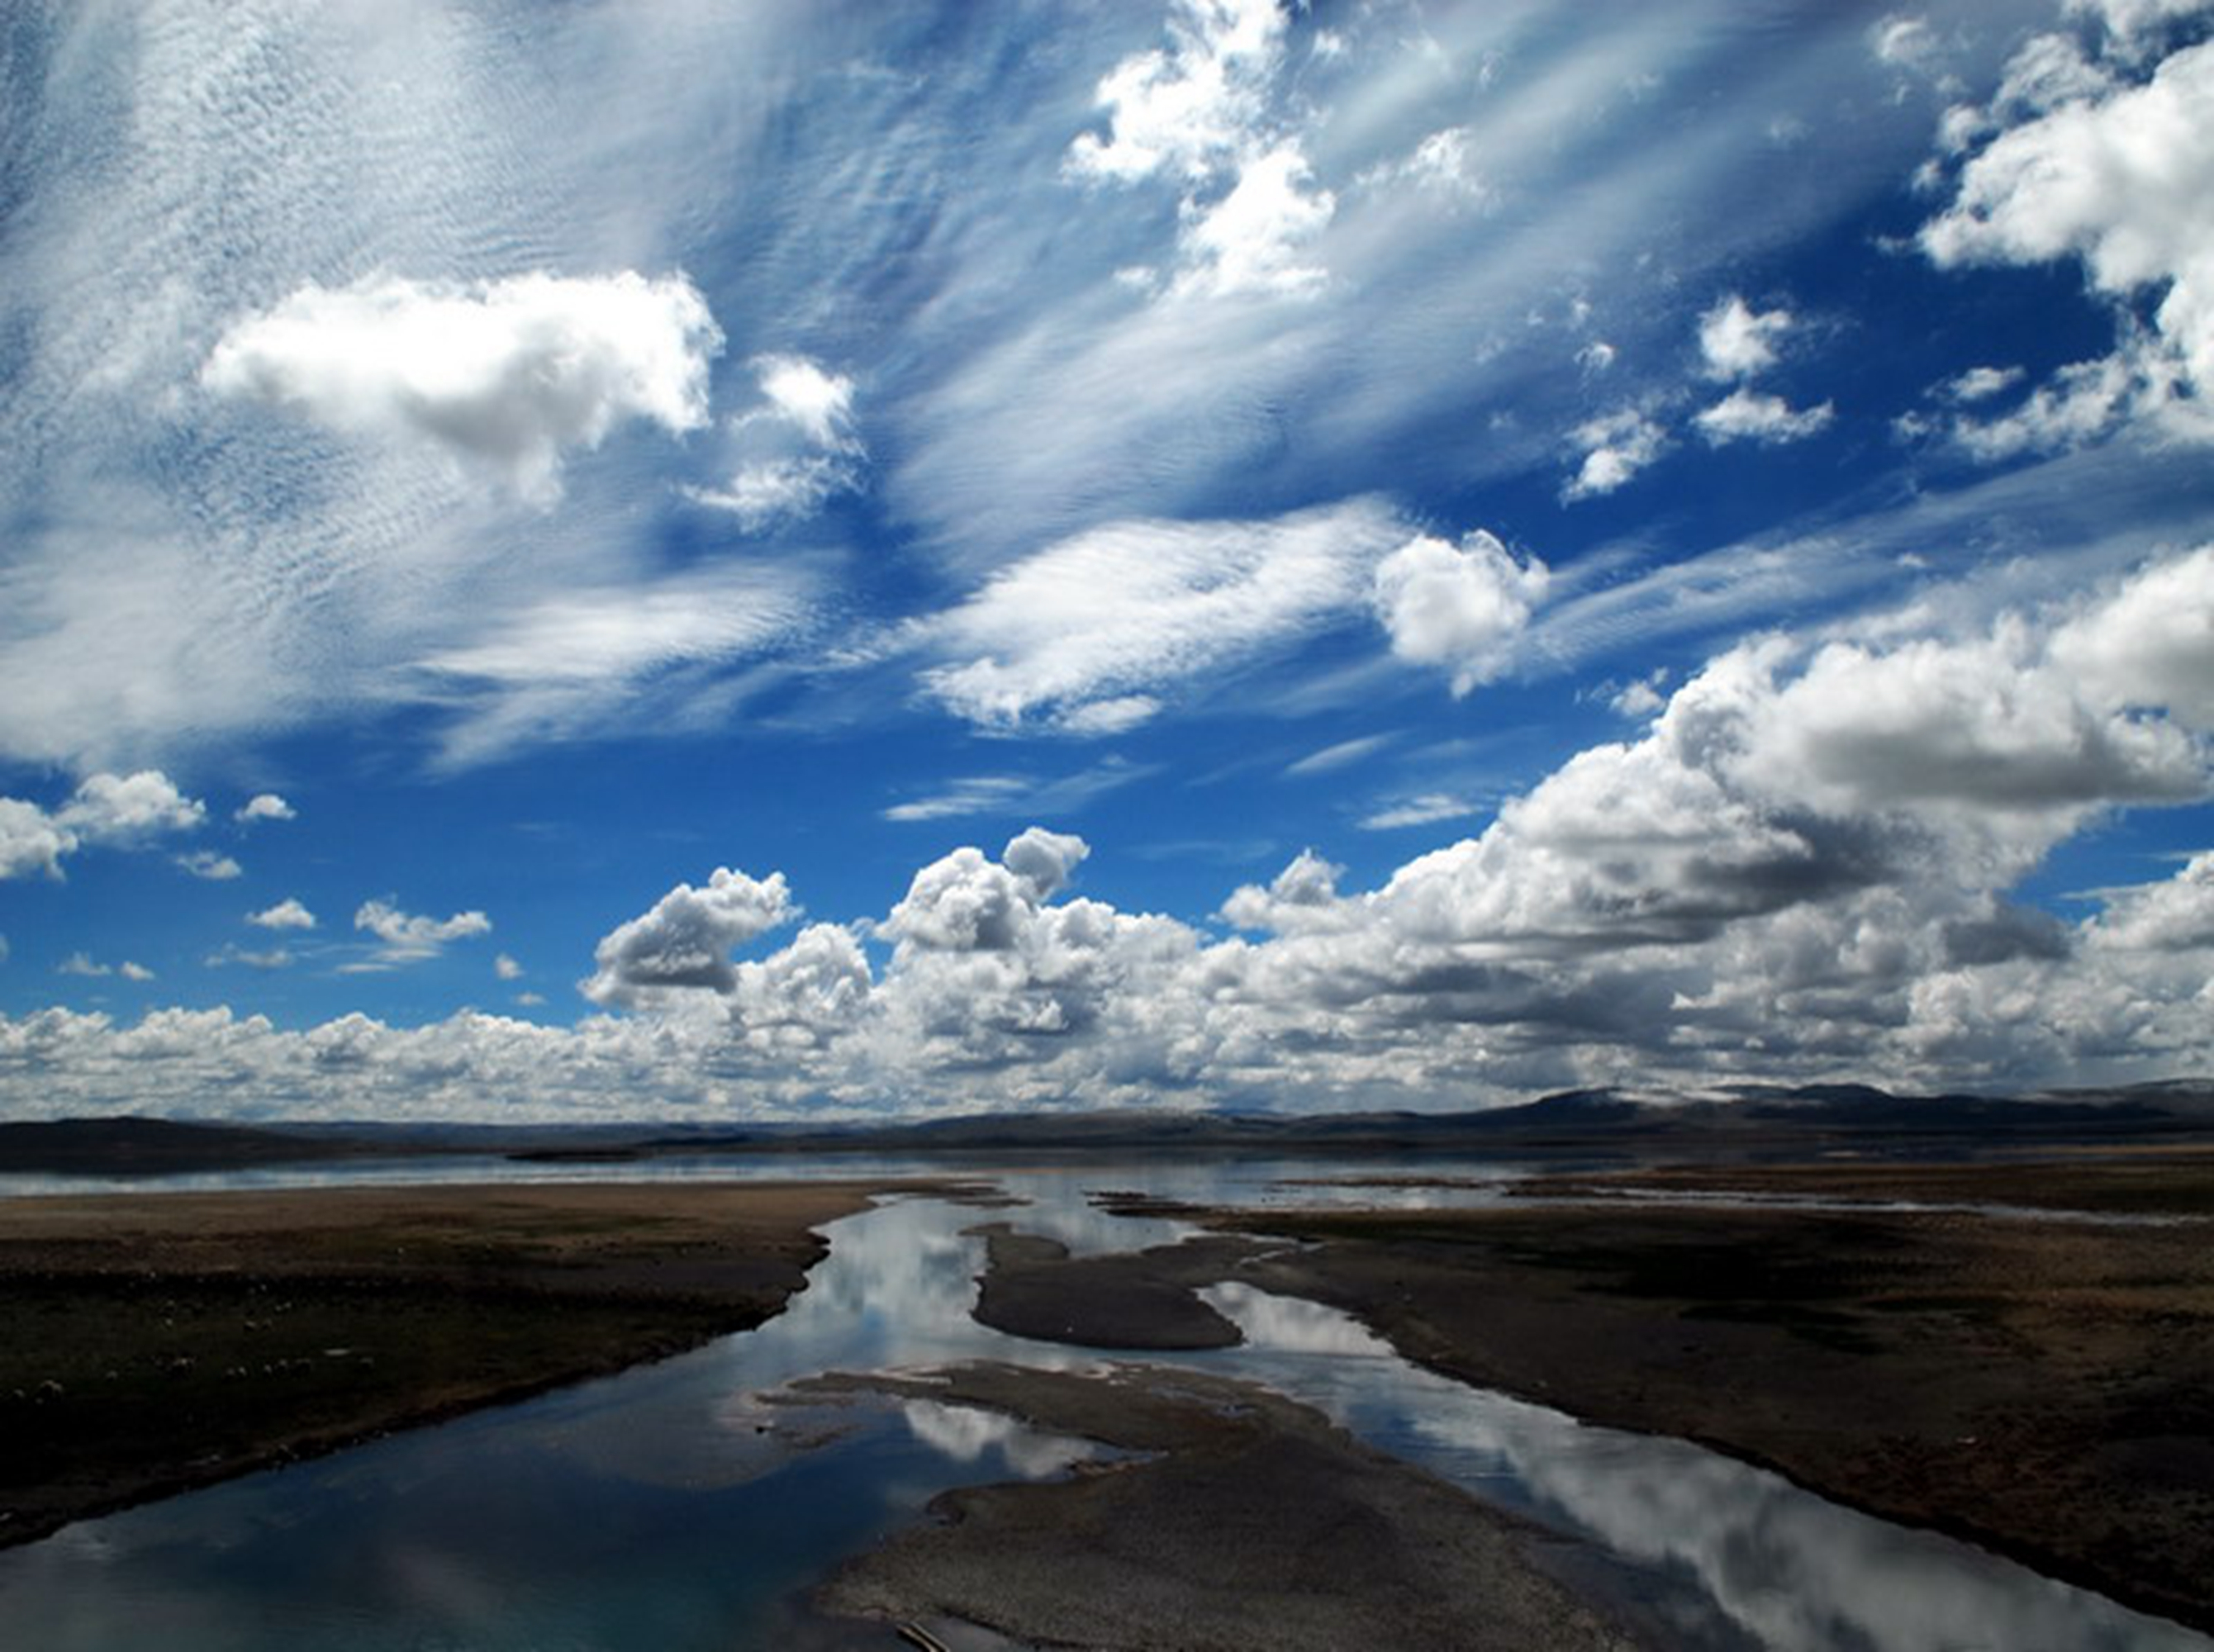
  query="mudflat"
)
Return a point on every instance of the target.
[
  {"x": 1242, "y": 1523},
  {"x": 156, "y": 1342},
  {"x": 2041, "y": 1383}
]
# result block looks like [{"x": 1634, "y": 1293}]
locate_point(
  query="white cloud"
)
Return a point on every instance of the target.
[
  {"x": 649, "y": 655},
  {"x": 506, "y": 968},
  {"x": 1200, "y": 114},
  {"x": 793, "y": 453},
  {"x": 1112, "y": 618},
  {"x": 1802, "y": 866},
  {"x": 265, "y": 805},
  {"x": 287, "y": 913},
  {"x": 1458, "y": 607},
  {"x": 276, "y": 957},
  {"x": 1737, "y": 341},
  {"x": 505, "y": 374},
  {"x": 1979, "y": 384},
  {"x": 1615, "y": 447},
  {"x": 408, "y": 939},
  {"x": 122, "y": 811},
  {"x": 2151, "y": 643},
  {"x": 31, "y": 840},
  {"x": 81, "y": 964},
  {"x": 1254, "y": 239},
  {"x": 1748, "y": 415},
  {"x": 2119, "y": 174},
  {"x": 206, "y": 863},
  {"x": 684, "y": 943},
  {"x": 1426, "y": 809},
  {"x": 1904, "y": 42},
  {"x": 1013, "y": 794},
  {"x": 129, "y": 808},
  {"x": 1342, "y": 754},
  {"x": 1190, "y": 109}
]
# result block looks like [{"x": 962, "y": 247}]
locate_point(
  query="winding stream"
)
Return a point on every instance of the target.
[{"x": 679, "y": 1506}]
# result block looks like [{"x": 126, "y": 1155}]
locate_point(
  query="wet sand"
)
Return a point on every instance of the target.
[
  {"x": 155, "y": 1342},
  {"x": 2042, "y": 1386},
  {"x": 1242, "y": 1523}
]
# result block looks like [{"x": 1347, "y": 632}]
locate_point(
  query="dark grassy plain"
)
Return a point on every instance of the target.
[
  {"x": 2040, "y": 1384},
  {"x": 148, "y": 1344}
]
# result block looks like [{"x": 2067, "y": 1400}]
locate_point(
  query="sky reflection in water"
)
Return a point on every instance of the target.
[{"x": 679, "y": 1506}]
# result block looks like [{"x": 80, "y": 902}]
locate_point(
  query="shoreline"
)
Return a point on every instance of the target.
[
  {"x": 168, "y": 1341},
  {"x": 2033, "y": 1385}
]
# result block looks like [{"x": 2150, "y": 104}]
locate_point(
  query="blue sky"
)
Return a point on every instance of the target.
[{"x": 784, "y": 561}]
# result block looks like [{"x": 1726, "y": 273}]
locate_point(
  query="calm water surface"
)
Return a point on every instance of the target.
[{"x": 682, "y": 1505}]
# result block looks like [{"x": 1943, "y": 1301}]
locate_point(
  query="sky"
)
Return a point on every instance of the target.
[{"x": 756, "y": 561}]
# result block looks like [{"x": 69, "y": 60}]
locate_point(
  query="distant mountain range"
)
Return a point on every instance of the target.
[{"x": 1733, "y": 1118}]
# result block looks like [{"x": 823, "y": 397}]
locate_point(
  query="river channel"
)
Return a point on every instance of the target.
[{"x": 684, "y": 1505}]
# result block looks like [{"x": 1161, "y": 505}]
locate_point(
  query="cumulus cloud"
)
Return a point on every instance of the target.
[
  {"x": 1189, "y": 108},
  {"x": 684, "y": 943},
  {"x": 2116, "y": 170},
  {"x": 1615, "y": 447},
  {"x": 408, "y": 939},
  {"x": 1745, "y": 415},
  {"x": 506, "y": 375},
  {"x": 1804, "y": 865},
  {"x": 794, "y": 452},
  {"x": 206, "y": 863},
  {"x": 122, "y": 811},
  {"x": 506, "y": 968},
  {"x": 1086, "y": 634},
  {"x": 287, "y": 913},
  {"x": 1199, "y": 113},
  {"x": 265, "y": 805},
  {"x": 1460, "y": 607},
  {"x": 1737, "y": 341}
]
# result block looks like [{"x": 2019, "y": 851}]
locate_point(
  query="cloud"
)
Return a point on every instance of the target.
[
  {"x": 265, "y": 805},
  {"x": 506, "y": 375},
  {"x": 122, "y": 811},
  {"x": 1192, "y": 108},
  {"x": 2119, "y": 174},
  {"x": 1737, "y": 341},
  {"x": 1615, "y": 447},
  {"x": 287, "y": 913},
  {"x": 1803, "y": 865},
  {"x": 129, "y": 808},
  {"x": 276, "y": 957},
  {"x": 1200, "y": 114},
  {"x": 1424, "y": 810},
  {"x": 1012, "y": 794},
  {"x": 1253, "y": 239},
  {"x": 1979, "y": 384},
  {"x": 793, "y": 453},
  {"x": 1342, "y": 754},
  {"x": 81, "y": 964},
  {"x": 1747, "y": 415},
  {"x": 206, "y": 863},
  {"x": 1112, "y": 619},
  {"x": 1458, "y": 607},
  {"x": 684, "y": 943},
  {"x": 410, "y": 939},
  {"x": 654, "y": 655},
  {"x": 506, "y": 968}
]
